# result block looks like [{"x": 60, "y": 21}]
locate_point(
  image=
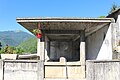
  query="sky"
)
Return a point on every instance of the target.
[{"x": 11, "y": 9}]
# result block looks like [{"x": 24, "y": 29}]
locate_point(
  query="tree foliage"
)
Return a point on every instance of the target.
[
  {"x": 29, "y": 46},
  {"x": 113, "y": 8},
  {"x": 11, "y": 50},
  {"x": 102, "y": 16},
  {"x": 13, "y": 38}
]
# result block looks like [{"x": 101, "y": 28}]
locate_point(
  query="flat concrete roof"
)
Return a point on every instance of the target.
[{"x": 56, "y": 23}]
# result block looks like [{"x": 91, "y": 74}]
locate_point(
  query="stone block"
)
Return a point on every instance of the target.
[
  {"x": 9, "y": 56},
  {"x": 76, "y": 72},
  {"x": 55, "y": 72},
  {"x": 62, "y": 60}
]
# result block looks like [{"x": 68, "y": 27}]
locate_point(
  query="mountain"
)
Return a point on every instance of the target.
[
  {"x": 29, "y": 46},
  {"x": 13, "y": 38}
]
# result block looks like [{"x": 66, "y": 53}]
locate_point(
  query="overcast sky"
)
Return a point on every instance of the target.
[{"x": 10, "y": 9}]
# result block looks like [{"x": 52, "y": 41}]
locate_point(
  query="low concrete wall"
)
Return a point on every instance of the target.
[
  {"x": 69, "y": 70},
  {"x": 103, "y": 70},
  {"x": 21, "y": 70},
  {"x": 1, "y": 69}
]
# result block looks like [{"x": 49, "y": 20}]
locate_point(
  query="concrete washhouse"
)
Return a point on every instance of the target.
[
  {"x": 65, "y": 46},
  {"x": 67, "y": 43}
]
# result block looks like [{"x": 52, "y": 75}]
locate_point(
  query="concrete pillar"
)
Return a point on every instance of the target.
[
  {"x": 38, "y": 47},
  {"x": 43, "y": 36},
  {"x": 47, "y": 50},
  {"x": 82, "y": 48},
  {"x": 41, "y": 50},
  {"x": 82, "y": 53}
]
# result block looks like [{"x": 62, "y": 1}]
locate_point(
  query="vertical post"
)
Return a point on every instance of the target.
[
  {"x": 41, "y": 54},
  {"x": 42, "y": 46},
  {"x": 82, "y": 47},
  {"x": 38, "y": 47},
  {"x": 82, "y": 52},
  {"x": 42, "y": 51},
  {"x": 43, "y": 36}
]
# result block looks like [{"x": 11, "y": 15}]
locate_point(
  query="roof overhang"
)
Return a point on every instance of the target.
[{"x": 90, "y": 25}]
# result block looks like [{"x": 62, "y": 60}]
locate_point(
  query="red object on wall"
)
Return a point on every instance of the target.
[{"x": 39, "y": 35}]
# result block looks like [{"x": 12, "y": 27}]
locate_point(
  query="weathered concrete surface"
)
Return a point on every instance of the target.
[
  {"x": 64, "y": 70},
  {"x": 105, "y": 52},
  {"x": 1, "y": 69},
  {"x": 96, "y": 42},
  {"x": 76, "y": 72},
  {"x": 55, "y": 72},
  {"x": 42, "y": 51},
  {"x": 103, "y": 70},
  {"x": 118, "y": 31},
  {"x": 38, "y": 47},
  {"x": 82, "y": 53},
  {"x": 9, "y": 56},
  {"x": 60, "y": 49},
  {"x": 116, "y": 56},
  {"x": 22, "y": 70}
]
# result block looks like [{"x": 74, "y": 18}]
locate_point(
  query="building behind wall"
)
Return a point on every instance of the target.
[{"x": 116, "y": 15}]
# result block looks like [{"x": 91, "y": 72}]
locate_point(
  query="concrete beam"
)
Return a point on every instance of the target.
[
  {"x": 62, "y": 31},
  {"x": 64, "y": 19}
]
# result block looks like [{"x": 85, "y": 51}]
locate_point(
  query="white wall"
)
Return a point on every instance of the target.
[
  {"x": 105, "y": 52},
  {"x": 94, "y": 43}
]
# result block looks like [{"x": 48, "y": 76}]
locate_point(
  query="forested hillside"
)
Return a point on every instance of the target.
[
  {"x": 13, "y": 38},
  {"x": 29, "y": 46}
]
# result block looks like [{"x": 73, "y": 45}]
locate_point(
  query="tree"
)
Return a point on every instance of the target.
[
  {"x": 11, "y": 50},
  {"x": 8, "y": 49},
  {"x": 101, "y": 16},
  {"x": 113, "y": 8}
]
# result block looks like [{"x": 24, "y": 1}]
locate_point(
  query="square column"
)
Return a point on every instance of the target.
[
  {"x": 82, "y": 47},
  {"x": 40, "y": 49},
  {"x": 82, "y": 53}
]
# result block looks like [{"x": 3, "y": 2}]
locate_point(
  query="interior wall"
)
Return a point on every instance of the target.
[
  {"x": 66, "y": 49},
  {"x": 94, "y": 43},
  {"x": 76, "y": 50},
  {"x": 105, "y": 52},
  {"x": 60, "y": 49}
]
